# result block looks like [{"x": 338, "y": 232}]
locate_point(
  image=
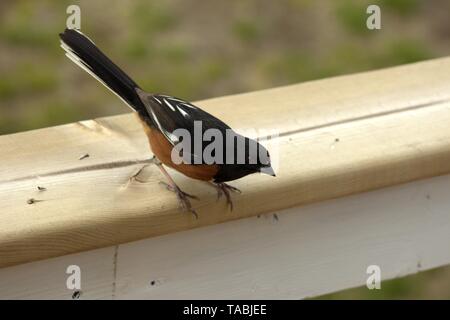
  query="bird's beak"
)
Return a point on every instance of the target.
[{"x": 268, "y": 170}]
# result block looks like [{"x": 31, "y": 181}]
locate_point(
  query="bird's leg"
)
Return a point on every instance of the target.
[
  {"x": 136, "y": 175},
  {"x": 183, "y": 197},
  {"x": 172, "y": 186},
  {"x": 224, "y": 189}
]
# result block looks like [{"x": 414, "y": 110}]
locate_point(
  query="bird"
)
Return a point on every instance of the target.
[{"x": 161, "y": 115}]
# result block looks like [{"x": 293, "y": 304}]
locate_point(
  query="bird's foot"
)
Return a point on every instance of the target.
[
  {"x": 183, "y": 197},
  {"x": 224, "y": 189},
  {"x": 135, "y": 177}
]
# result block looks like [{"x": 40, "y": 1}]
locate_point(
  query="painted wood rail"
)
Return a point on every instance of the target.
[
  {"x": 308, "y": 251},
  {"x": 337, "y": 137}
]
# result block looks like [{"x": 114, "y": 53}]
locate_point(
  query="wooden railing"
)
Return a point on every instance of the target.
[{"x": 337, "y": 137}]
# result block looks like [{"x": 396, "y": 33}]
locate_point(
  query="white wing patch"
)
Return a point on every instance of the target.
[
  {"x": 176, "y": 101},
  {"x": 156, "y": 99},
  {"x": 171, "y": 101},
  {"x": 169, "y": 105},
  {"x": 174, "y": 104},
  {"x": 184, "y": 113},
  {"x": 184, "y": 103}
]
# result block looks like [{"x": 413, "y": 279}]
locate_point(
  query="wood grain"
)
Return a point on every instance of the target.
[{"x": 337, "y": 137}]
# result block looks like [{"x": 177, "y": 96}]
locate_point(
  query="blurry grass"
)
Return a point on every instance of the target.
[
  {"x": 23, "y": 34},
  {"x": 352, "y": 16},
  {"x": 46, "y": 113},
  {"x": 19, "y": 27},
  {"x": 293, "y": 67},
  {"x": 344, "y": 58},
  {"x": 54, "y": 112},
  {"x": 10, "y": 124},
  {"x": 246, "y": 31},
  {"x": 402, "y": 51},
  {"x": 215, "y": 70},
  {"x": 135, "y": 48},
  {"x": 403, "y": 7},
  {"x": 175, "y": 54},
  {"x": 187, "y": 80},
  {"x": 27, "y": 78},
  {"x": 152, "y": 16},
  {"x": 418, "y": 286}
]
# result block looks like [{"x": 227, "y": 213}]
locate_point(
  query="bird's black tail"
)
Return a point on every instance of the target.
[{"x": 83, "y": 52}]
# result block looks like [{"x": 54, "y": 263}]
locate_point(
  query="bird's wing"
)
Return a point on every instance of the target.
[{"x": 169, "y": 113}]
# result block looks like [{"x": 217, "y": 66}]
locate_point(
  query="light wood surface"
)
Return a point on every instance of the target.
[
  {"x": 338, "y": 136},
  {"x": 309, "y": 251}
]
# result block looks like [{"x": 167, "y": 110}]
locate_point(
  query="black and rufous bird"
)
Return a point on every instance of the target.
[{"x": 160, "y": 116}]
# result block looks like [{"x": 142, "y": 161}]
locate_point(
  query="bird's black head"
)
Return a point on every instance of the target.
[
  {"x": 254, "y": 158},
  {"x": 263, "y": 163}
]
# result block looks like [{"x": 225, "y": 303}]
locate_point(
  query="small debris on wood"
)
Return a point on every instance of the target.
[
  {"x": 42, "y": 188},
  {"x": 275, "y": 216},
  {"x": 76, "y": 294},
  {"x": 333, "y": 144},
  {"x": 33, "y": 200},
  {"x": 84, "y": 156}
]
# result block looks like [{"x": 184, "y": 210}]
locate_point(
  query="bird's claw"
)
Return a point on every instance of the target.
[
  {"x": 183, "y": 198},
  {"x": 177, "y": 190},
  {"x": 224, "y": 189},
  {"x": 135, "y": 176}
]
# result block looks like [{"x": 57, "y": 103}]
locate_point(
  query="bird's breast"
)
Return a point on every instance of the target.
[{"x": 162, "y": 149}]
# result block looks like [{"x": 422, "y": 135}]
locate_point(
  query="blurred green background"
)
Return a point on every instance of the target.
[{"x": 201, "y": 49}]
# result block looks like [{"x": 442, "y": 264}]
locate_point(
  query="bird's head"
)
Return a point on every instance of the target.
[{"x": 263, "y": 162}]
